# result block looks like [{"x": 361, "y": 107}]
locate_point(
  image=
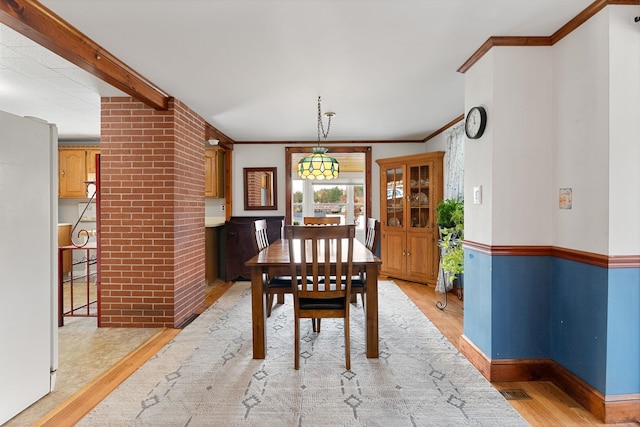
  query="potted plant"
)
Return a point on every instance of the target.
[
  {"x": 450, "y": 213},
  {"x": 452, "y": 260}
]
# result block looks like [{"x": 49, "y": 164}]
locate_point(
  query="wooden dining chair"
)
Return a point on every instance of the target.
[
  {"x": 321, "y": 220},
  {"x": 358, "y": 281},
  {"x": 276, "y": 285},
  {"x": 371, "y": 237},
  {"x": 313, "y": 296}
]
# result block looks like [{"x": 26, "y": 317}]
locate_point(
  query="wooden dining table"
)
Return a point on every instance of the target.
[{"x": 274, "y": 260}]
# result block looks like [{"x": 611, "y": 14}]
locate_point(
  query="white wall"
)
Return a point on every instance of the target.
[
  {"x": 563, "y": 116},
  {"x": 273, "y": 155},
  {"x": 214, "y": 207},
  {"x": 522, "y": 139},
  {"x": 597, "y": 106},
  {"x": 581, "y": 135},
  {"x": 478, "y": 158},
  {"x": 512, "y": 160},
  {"x": 624, "y": 132},
  {"x": 438, "y": 142}
]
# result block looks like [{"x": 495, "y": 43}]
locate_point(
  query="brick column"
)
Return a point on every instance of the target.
[{"x": 152, "y": 214}]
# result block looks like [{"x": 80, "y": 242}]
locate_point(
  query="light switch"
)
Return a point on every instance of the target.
[{"x": 477, "y": 195}]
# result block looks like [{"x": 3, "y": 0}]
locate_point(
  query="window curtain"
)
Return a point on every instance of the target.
[
  {"x": 454, "y": 163},
  {"x": 453, "y": 182}
]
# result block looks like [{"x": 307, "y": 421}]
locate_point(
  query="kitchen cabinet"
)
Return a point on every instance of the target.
[
  {"x": 214, "y": 173},
  {"x": 410, "y": 188},
  {"x": 64, "y": 239},
  {"x": 75, "y": 166}
]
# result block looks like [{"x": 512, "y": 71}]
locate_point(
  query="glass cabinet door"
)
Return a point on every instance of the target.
[
  {"x": 395, "y": 197},
  {"x": 419, "y": 196}
]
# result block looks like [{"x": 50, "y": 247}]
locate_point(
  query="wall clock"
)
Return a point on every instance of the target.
[{"x": 475, "y": 122}]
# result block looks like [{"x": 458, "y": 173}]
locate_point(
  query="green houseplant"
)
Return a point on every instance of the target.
[{"x": 450, "y": 214}]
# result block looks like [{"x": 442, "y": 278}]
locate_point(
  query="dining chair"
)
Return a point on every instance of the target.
[
  {"x": 313, "y": 297},
  {"x": 371, "y": 237},
  {"x": 276, "y": 285},
  {"x": 321, "y": 220}
]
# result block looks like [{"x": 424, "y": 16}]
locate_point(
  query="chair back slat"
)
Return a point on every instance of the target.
[
  {"x": 372, "y": 234},
  {"x": 316, "y": 247},
  {"x": 260, "y": 237}
]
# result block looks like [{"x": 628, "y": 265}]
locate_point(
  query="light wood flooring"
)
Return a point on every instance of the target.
[{"x": 548, "y": 406}]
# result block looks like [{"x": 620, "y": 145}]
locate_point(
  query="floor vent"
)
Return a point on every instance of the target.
[{"x": 516, "y": 394}]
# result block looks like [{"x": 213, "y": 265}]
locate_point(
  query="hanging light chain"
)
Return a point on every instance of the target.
[
  {"x": 321, "y": 124},
  {"x": 318, "y": 165}
]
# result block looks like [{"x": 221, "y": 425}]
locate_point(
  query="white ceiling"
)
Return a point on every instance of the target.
[{"x": 254, "y": 69}]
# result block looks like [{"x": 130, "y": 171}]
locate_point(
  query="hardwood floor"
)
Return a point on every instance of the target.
[{"x": 547, "y": 406}]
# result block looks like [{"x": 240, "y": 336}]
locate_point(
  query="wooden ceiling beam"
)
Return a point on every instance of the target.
[
  {"x": 224, "y": 141},
  {"x": 33, "y": 20}
]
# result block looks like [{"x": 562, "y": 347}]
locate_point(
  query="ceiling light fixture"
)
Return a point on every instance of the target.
[{"x": 318, "y": 165}]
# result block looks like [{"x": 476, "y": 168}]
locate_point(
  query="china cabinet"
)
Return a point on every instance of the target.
[{"x": 410, "y": 188}]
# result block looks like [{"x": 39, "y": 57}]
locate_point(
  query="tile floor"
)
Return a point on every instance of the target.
[{"x": 85, "y": 351}]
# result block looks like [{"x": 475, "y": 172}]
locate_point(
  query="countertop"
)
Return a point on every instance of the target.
[{"x": 214, "y": 221}]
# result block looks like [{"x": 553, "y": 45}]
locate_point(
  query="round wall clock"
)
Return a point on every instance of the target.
[{"x": 475, "y": 122}]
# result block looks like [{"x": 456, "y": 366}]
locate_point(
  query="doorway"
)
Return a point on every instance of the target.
[{"x": 348, "y": 196}]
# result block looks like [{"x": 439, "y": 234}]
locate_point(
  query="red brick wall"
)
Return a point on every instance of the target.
[{"x": 152, "y": 214}]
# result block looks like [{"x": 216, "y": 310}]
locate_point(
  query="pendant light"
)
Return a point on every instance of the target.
[{"x": 318, "y": 165}]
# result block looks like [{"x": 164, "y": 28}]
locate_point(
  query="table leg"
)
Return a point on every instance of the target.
[
  {"x": 258, "y": 313},
  {"x": 371, "y": 312}
]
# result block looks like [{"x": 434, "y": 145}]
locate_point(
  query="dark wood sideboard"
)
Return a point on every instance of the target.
[{"x": 239, "y": 243}]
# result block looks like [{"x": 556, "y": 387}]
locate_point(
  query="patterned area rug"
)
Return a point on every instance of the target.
[{"x": 207, "y": 377}]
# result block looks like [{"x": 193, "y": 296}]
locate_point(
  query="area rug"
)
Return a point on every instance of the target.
[{"x": 206, "y": 376}]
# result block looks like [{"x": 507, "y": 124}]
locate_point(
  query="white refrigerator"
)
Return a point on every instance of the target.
[{"x": 28, "y": 262}]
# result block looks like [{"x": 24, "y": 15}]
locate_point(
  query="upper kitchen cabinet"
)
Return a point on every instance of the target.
[
  {"x": 75, "y": 166},
  {"x": 411, "y": 187},
  {"x": 214, "y": 173}
]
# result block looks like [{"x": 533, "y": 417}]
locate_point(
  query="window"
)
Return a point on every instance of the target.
[
  {"x": 320, "y": 199},
  {"x": 347, "y": 197}
]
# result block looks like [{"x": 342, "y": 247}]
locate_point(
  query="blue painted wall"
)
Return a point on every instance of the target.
[
  {"x": 478, "y": 301},
  {"x": 579, "y": 320},
  {"x": 623, "y": 331},
  {"x": 521, "y": 301},
  {"x": 586, "y": 318}
]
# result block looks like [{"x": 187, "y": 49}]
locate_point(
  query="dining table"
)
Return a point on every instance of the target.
[{"x": 274, "y": 260}]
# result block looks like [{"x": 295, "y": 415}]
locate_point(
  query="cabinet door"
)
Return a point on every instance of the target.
[
  {"x": 393, "y": 252},
  {"x": 420, "y": 256},
  {"x": 393, "y": 188},
  {"x": 91, "y": 164},
  {"x": 420, "y": 196},
  {"x": 72, "y": 173},
  {"x": 214, "y": 173}
]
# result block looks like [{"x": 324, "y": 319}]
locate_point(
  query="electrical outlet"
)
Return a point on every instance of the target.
[{"x": 222, "y": 208}]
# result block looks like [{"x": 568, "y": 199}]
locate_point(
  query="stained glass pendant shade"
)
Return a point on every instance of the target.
[{"x": 318, "y": 165}]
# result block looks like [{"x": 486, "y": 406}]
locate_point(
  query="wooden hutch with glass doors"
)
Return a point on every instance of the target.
[{"x": 410, "y": 188}]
